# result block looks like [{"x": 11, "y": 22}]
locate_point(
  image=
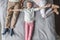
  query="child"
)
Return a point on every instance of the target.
[
  {"x": 29, "y": 18},
  {"x": 11, "y": 18}
]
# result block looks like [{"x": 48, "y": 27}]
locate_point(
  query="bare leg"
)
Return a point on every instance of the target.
[
  {"x": 14, "y": 19},
  {"x": 31, "y": 26},
  {"x": 8, "y": 19},
  {"x": 15, "y": 16},
  {"x": 9, "y": 14}
]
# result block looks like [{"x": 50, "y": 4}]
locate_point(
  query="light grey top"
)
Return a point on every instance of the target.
[{"x": 29, "y": 14}]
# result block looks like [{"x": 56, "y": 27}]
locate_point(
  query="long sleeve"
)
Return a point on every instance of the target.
[
  {"x": 36, "y": 9},
  {"x": 48, "y": 12},
  {"x": 41, "y": 3},
  {"x": 42, "y": 11}
]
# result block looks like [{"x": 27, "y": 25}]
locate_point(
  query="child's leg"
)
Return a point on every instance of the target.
[
  {"x": 31, "y": 26},
  {"x": 15, "y": 16},
  {"x": 26, "y": 31}
]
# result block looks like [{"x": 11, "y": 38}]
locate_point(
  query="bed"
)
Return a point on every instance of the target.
[{"x": 44, "y": 28}]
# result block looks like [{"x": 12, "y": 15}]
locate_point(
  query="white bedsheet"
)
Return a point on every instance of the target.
[{"x": 44, "y": 28}]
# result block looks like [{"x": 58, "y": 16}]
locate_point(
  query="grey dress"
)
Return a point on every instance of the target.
[{"x": 44, "y": 28}]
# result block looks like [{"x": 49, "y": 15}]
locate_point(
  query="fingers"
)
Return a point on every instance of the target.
[
  {"x": 56, "y": 11},
  {"x": 55, "y": 6}
]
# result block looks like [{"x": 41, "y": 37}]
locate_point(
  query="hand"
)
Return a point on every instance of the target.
[
  {"x": 55, "y": 6},
  {"x": 9, "y": 9},
  {"x": 56, "y": 11}
]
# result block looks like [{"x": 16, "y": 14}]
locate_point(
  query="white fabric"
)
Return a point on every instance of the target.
[
  {"x": 41, "y": 3},
  {"x": 14, "y": 0}
]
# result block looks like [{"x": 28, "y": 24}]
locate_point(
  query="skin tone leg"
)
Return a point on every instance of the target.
[
  {"x": 8, "y": 18},
  {"x": 16, "y": 13},
  {"x": 15, "y": 16}
]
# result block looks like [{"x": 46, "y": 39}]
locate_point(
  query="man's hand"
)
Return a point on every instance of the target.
[
  {"x": 54, "y": 6},
  {"x": 56, "y": 11}
]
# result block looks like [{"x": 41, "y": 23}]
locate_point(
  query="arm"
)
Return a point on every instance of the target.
[
  {"x": 16, "y": 10},
  {"x": 51, "y": 11},
  {"x": 48, "y": 5}
]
